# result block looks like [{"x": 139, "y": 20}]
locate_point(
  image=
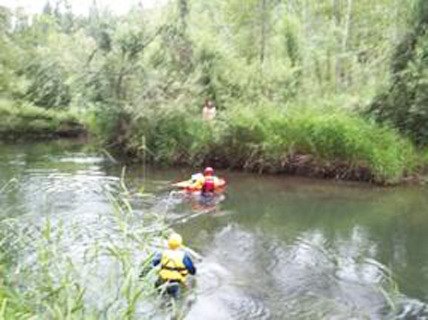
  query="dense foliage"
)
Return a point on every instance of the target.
[
  {"x": 405, "y": 103},
  {"x": 325, "y": 143},
  {"x": 138, "y": 81}
]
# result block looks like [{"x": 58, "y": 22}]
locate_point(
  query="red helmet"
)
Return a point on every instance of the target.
[{"x": 208, "y": 171}]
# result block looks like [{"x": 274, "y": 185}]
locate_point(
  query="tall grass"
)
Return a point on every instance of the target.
[
  {"x": 327, "y": 143},
  {"x": 334, "y": 140},
  {"x": 45, "y": 277}
]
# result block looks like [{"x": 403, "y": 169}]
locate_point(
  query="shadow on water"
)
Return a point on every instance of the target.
[{"x": 274, "y": 248}]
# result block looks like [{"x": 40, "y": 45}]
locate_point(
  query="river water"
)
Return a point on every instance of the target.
[{"x": 276, "y": 247}]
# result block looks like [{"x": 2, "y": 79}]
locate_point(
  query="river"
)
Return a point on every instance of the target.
[{"x": 277, "y": 247}]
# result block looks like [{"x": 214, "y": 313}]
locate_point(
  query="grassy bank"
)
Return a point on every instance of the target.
[
  {"x": 24, "y": 120},
  {"x": 319, "y": 142},
  {"x": 305, "y": 141}
]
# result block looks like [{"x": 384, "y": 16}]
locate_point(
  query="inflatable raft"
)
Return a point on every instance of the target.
[{"x": 187, "y": 186}]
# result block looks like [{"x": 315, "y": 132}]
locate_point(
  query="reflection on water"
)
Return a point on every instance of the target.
[
  {"x": 274, "y": 248},
  {"x": 304, "y": 249}
]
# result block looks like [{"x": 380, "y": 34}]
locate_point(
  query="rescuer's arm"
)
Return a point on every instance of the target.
[
  {"x": 157, "y": 259},
  {"x": 188, "y": 263}
]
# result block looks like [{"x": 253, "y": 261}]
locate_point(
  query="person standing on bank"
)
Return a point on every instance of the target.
[
  {"x": 208, "y": 111},
  {"x": 175, "y": 264}
]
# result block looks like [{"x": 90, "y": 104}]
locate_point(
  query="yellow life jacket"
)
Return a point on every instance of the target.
[
  {"x": 172, "y": 266},
  {"x": 198, "y": 183}
]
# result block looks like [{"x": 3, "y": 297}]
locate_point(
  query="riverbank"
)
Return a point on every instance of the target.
[
  {"x": 328, "y": 143},
  {"x": 22, "y": 120}
]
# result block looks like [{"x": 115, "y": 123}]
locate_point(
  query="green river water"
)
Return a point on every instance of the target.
[{"x": 276, "y": 247}]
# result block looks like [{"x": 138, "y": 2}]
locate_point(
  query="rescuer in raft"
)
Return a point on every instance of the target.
[
  {"x": 207, "y": 183},
  {"x": 175, "y": 264}
]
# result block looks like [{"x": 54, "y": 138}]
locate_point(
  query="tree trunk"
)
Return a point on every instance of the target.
[
  {"x": 348, "y": 18},
  {"x": 347, "y": 29},
  {"x": 184, "y": 11},
  {"x": 263, "y": 10}
]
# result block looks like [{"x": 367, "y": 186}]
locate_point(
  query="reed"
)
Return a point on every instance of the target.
[{"x": 45, "y": 275}]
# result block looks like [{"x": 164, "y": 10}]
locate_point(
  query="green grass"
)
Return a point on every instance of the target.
[
  {"x": 269, "y": 139},
  {"x": 53, "y": 283},
  {"x": 11, "y": 305},
  {"x": 326, "y": 143},
  {"x": 19, "y": 119}
]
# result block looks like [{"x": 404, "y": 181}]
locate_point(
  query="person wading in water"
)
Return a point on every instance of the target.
[{"x": 175, "y": 264}]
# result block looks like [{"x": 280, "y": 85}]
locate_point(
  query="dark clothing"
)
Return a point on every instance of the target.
[{"x": 172, "y": 288}]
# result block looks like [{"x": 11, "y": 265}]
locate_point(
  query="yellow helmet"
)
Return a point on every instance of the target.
[{"x": 175, "y": 241}]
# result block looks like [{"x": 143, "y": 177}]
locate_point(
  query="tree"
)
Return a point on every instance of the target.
[
  {"x": 251, "y": 24},
  {"x": 405, "y": 103},
  {"x": 64, "y": 15},
  {"x": 5, "y": 18},
  {"x": 47, "y": 9}
]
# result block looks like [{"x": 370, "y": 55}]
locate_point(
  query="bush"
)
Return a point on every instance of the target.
[
  {"x": 268, "y": 139},
  {"x": 405, "y": 103},
  {"x": 48, "y": 87},
  {"x": 329, "y": 143},
  {"x": 23, "y": 118}
]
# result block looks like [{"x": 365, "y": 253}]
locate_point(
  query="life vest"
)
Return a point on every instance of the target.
[
  {"x": 172, "y": 266},
  {"x": 209, "y": 185},
  {"x": 196, "y": 182}
]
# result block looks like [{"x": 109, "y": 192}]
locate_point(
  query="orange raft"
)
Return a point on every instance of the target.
[{"x": 187, "y": 186}]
